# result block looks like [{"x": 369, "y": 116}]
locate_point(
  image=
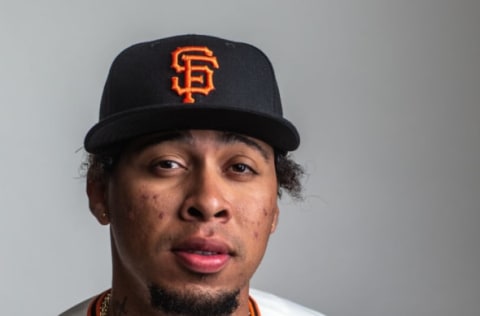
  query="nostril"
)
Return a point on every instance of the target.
[
  {"x": 221, "y": 214},
  {"x": 195, "y": 213}
]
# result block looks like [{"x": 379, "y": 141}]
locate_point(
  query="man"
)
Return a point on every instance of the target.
[{"x": 186, "y": 166}]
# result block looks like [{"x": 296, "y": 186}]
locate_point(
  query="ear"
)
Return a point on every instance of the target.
[
  {"x": 97, "y": 201},
  {"x": 275, "y": 220}
]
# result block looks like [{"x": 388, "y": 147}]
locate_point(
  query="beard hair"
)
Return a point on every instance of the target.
[{"x": 192, "y": 303}]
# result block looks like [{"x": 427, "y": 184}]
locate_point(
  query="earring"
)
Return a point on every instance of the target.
[{"x": 104, "y": 214}]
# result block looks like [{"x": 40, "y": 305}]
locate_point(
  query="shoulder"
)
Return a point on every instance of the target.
[
  {"x": 78, "y": 310},
  {"x": 272, "y": 305}
]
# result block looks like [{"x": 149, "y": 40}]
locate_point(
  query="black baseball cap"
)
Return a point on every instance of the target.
[{"x": 191, "y": 82}]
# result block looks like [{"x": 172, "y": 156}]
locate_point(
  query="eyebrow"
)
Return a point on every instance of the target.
[
  {"x": 186, "y": 137},
  {"x": 230, "y": 137}
]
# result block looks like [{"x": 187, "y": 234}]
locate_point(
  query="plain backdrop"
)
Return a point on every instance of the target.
[{"x": 386, "y": 95}]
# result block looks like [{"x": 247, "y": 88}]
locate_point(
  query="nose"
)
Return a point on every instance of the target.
[{"x": 206, "y": 199}]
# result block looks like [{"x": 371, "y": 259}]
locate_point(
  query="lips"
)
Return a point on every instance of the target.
[{"x": 202, "y": 255}]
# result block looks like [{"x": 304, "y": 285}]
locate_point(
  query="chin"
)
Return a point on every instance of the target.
[{"x": 194, "y": 300}]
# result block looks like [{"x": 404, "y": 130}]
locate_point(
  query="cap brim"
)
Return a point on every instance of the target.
[{"x": 275, "y": 131}]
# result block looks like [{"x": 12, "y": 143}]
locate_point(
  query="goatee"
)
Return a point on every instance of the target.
[{"x": 193, "y": 304}]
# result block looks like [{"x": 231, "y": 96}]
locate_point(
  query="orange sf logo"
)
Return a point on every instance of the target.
[{"x": 200, "y": 83}]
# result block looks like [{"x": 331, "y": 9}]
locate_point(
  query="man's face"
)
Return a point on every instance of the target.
[{"x": 190, "y": 211}]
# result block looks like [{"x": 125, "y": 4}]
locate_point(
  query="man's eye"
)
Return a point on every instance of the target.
[
  {"x": 167, "y": 164},
  {"x": 242, "y": 168}
]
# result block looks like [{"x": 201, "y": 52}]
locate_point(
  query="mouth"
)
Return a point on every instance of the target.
[{"x": 203, "y": 256}]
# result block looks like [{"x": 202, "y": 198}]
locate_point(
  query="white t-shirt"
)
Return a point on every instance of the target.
[
  {"x": 269, "y": 305},
  {"x": 272, "y": 305}
]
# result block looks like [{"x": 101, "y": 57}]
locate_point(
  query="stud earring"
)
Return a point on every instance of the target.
[{"x": 104, "y": 214}]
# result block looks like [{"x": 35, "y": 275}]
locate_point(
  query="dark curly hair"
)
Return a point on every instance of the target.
[{"x": 289, "y": 173}]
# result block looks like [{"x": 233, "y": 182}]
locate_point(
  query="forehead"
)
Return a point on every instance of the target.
[{"x": 220, "y": 139}]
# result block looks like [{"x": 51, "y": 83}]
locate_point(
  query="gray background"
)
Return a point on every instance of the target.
[{"x": 385, "y": 93}]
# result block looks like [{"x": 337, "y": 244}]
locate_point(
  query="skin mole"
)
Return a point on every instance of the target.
[{"x": 145, "y": 196}]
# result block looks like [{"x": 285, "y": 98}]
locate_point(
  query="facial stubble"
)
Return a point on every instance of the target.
[{"x": 193, "y": 304}]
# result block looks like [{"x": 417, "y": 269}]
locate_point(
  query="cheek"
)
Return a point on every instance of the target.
[
  {"x": 140, "y": 222},
  {"x": 258, "y": 217},
  {"x": 135, "y": 203},
  {"x": 139, "y": 214},
  {"x": 145, "y": 204}
]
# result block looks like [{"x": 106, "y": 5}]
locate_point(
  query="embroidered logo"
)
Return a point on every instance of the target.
[{"x": 197, "y": 64}]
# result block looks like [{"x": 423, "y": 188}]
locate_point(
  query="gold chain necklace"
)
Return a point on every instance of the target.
[{"x": 105, "y": 304}]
